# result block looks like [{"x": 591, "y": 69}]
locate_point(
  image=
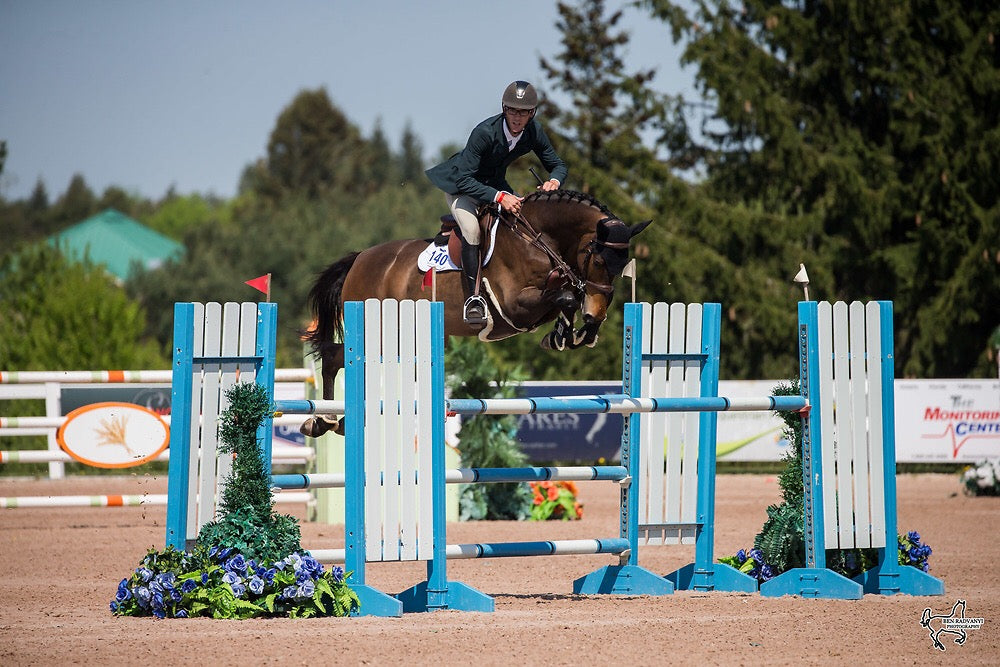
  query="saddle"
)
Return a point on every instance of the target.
[{"x": 450, "y": 235}]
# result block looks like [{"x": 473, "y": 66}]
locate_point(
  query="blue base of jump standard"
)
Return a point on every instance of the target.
[
  {"x": 718, "y": 577},
  {"x": 455, "y": 596},
  {"x": 622, "y": 580},
  {"x": 891, "y": 578}
]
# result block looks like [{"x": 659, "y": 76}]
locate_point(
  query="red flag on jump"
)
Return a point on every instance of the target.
[
  {"x": 428, "y": 279},
  {"x": 261, "y": 284}
]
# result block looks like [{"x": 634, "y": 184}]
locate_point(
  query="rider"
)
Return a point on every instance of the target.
[{"x": 478, "y": 174}]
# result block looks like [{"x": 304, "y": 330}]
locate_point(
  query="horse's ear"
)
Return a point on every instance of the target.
[{"x": 638, "y": 227}]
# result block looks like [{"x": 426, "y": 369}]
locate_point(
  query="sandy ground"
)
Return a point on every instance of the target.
[{"x": 59, "y": 569}]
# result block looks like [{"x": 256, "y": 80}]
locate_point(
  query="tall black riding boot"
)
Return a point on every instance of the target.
[{"x": 474, "y": 310}]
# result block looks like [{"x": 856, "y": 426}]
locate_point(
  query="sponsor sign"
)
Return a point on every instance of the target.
[
  {"x": 113, "y": 435},
  {"x": 947, "y": 420}
]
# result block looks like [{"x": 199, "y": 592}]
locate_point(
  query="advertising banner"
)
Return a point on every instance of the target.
[{"x": 947, "y": 420}]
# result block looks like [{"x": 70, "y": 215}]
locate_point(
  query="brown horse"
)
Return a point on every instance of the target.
[{"x": 558, "y": 257}]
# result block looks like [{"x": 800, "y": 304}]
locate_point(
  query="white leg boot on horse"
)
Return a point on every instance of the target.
[{"x": 474, "y": 310}]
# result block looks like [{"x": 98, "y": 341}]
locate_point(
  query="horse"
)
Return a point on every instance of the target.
[{"x": 556, "y": 258}]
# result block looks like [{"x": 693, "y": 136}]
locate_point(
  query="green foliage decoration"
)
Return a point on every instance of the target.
[
  {"x": 248, "y": 523},
  {"x": 486, "y": 441}
]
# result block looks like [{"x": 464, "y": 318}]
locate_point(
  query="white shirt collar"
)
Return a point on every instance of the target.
[{"x": 511, "y": 139}]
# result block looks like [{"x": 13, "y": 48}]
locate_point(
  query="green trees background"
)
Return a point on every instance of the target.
[{"x": 858, "y": 138}]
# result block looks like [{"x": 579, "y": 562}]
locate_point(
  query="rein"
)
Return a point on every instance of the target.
[{"x": 518, "y": 224}]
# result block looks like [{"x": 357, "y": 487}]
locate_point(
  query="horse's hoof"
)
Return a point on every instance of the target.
[{"x": 314, "y": 427}]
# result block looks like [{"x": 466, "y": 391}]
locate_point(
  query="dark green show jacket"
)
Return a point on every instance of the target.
[{"x": 480, "y": 169}]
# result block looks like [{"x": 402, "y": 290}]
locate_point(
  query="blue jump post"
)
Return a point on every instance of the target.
[
  {"x": 849, "y": 454},
  {"x": 701, "y": 370}
]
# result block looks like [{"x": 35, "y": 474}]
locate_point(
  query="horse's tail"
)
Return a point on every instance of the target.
[{"x": 326, "y": 305}]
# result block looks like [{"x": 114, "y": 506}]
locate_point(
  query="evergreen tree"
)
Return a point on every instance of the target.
[
  {"x": 609, "y": 109},
  {"x": 860, "y": 139}
]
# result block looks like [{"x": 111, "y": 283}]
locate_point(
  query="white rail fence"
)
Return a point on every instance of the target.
[{"x": 48, "y": 386}]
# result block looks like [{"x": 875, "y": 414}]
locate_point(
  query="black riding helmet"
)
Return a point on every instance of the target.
[{"x": 520, "y": 95}]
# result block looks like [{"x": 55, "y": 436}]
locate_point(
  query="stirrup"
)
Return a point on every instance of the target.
[{"x": 474, "y": 310}]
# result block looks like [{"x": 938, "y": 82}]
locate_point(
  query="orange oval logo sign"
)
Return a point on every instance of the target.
[{"x": 113, "y": 435}]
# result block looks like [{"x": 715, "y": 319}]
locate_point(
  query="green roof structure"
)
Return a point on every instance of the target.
[{"x": 114, "y": 240}]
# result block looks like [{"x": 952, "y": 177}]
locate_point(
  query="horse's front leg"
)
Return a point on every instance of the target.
[
  {"x": 587, "y": 334},
  {"x": 332, "y": 356}
]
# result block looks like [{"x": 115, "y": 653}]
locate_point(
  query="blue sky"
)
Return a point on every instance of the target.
[{"x": 147, "y": 95}]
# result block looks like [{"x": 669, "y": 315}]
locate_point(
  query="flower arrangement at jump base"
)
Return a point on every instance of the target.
[
  {"x": 221, "y": 583},
  {"x": 982, "y": 479},
  {"x": 555, "y": 500},
  {"x": 249, "y": 562}
]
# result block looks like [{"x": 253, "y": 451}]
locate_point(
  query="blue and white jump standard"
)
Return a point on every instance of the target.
[{"x": 395, "y": 477}]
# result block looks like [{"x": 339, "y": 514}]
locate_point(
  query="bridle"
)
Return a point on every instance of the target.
[{"x": 562, "y": 274}]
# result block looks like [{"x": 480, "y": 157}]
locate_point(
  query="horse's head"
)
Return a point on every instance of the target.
[
  {"x": 605, "y": 258},
  {"x": 593, "y": 244}
]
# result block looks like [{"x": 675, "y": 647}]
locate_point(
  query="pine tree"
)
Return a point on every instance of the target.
[{"x": 861, "y": 139}]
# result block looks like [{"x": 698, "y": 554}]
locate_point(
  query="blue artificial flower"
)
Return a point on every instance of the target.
[
  {"x": 236, "y": 564},
  {"x": 741, "y": 556},
  {"x": 925, "y": 566},
  {"x": 159, "y": 613},
  {"x": 189, "y": 585},
  {"x": 850, "y": 560},
  {"x": 256, "y": 585},
  {"x": 114, "y": 606},
  {"x": 312, "y": 566},
  {"x": 766, "y": 572},
  {"x": 213, "y": 551},
  {"x": 204, "y": 578},
  {"x": 289, "y": 593},
  {"x": 307, "y": 589},
  {"x": 251, "y": 565},
  {"x": 268, "y": 575},
  {"x": 180, "y": 613},
  {"x": 927, "y": 550},
  {"x": 239, "y": 590},
  {"x": 757, "y": 555},
  {"x": 338, "y": 574},
  {"x": 123, "y": 594},
  {"x": 231, "y": 578},
  {"x": 914, "y": 536},
  {"x": 144, "y": 573},
  {"x": 142, "y": 596},
  {"x": 175, "y": 595},
  {"x": 914, "y": 554},
  {"x": 221, "y": 554},
  {"x": 302, "y": 576},
  {"x": 157, "y": 600}
]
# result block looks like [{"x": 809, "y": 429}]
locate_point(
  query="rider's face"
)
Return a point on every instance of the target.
[{"x": 517, "y": 118}]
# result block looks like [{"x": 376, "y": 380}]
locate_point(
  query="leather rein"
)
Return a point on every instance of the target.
[{"x": 562, "y": 274}]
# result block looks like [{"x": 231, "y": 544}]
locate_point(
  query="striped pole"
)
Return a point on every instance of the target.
[
  {"x": 108, "y": 377},
  {"x": 469, "y": 476},
  {"x": 280, "y": 454},
  {"x": 148, "y": 500},
  {"x": 621, "y": 405},
  {"x": 613, "y": 545}
]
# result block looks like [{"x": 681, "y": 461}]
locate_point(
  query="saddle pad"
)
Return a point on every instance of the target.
[{"x": 437, "y": 256}]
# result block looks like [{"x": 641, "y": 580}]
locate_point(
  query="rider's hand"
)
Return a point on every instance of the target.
[
  {"x": 551, "y": 184},
  {"x": 511, "y": 202}
]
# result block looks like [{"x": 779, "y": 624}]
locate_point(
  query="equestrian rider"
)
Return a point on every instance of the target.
[{"x": 478, "y": 174}]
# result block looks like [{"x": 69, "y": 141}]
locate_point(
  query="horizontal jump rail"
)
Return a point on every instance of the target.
[
  {"x": 621, "y": 405},
  {"x": 55, "y": 422},
  {"x": 279, "y": 454},
  {"x": 148, "y": 500},
  {"x": 109, "y": 377},
  {"x": 611, "y": 545},
  {"x": 470, "y": 476}
]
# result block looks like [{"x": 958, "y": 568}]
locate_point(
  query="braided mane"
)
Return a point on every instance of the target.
[{"x": 569, "y": 196}]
